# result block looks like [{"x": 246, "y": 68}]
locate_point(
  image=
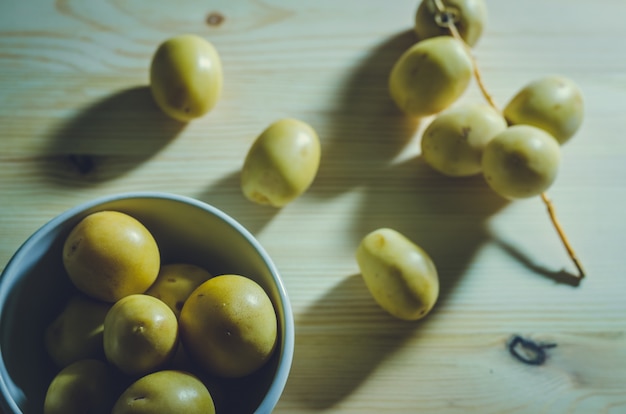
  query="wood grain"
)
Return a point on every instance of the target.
[{"x": 77, "y": 121}]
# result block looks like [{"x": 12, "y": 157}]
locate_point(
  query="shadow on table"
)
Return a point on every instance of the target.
[
  {"x": 446, "y": 216},
  {"x": 365, "y": 127},
  {"x": 558, "y": 276},
  {"x": 226, "y": 195},
  {"x": 340, "y": 340},
  {"x": 108, "y": 139},
  {"x": 344, "y": 336}
]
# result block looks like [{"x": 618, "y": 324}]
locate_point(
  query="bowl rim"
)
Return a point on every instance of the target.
[{"x": 8, "y": 277}]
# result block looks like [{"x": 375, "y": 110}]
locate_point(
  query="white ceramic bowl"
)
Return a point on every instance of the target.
[{"x": 34, "y": 286}]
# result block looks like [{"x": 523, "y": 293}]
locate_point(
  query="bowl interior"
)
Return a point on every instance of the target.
[{"x": 34, "y": 288}]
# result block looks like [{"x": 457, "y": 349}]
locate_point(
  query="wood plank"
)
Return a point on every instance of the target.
[{"x": 77, "y": 122}]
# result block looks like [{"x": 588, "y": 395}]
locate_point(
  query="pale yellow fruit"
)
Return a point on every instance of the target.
[
  {"x": 554, "y": 104},
  {"x": 76, "y": 333},
  {"x": 454, "y": 142},
  {"x": 229, "y": 326},
  {"x": 471, "y": 15},
  {"x": 430, "y": 76},
  {"x": 281, "y": 163},
  {"x": 175, "y": 283},
  {"x": 399, "y": 274},
  {"x": 109, "y": 255},
  {"x": 521, "y": 161},
  {"x": 140, "y": 334},
  {"x": 165, "y": 392},
  {"x": 85, "y": 386},
  {"x": 186, "y": 77}
]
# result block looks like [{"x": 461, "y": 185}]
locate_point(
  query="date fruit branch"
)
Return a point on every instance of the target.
[{"x": 446, "y": 17}]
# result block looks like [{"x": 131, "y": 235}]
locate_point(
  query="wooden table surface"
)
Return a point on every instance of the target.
[{"x": 77, "y": 122}]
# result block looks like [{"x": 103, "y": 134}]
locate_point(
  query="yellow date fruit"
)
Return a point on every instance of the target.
[
  {"x": 76, "y": 333},
  {"x": 140, "y": 334},
  {"x": 165, "y": 392},
  {"x": 175, "y": 283},
  {"x": 470, "y": 19},
  {"x": 85, "y": 386},
  {"x": 399, "y": 274},
  {"x": 454, "y": 142},
  {"x": 520, "y": 162},
  {"x": 281, "y": 163},
  {"x": 229, "y": 326},
  {"x": 430, "y": 76},
  {"x": 186, "y": 77},
  {"x": 553, "y": 103},
  {"x": 109, "y": 255}
]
